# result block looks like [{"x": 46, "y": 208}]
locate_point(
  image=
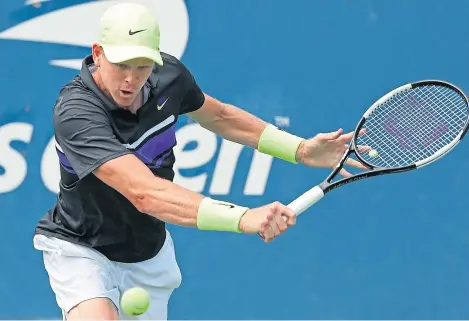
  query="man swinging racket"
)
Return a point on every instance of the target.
[{"x": 115, "y": 132}]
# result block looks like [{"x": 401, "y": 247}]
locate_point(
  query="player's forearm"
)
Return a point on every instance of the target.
[
  {"x": 242, "y": 127},
  {"x": 237, "y": 125},
  {"x": 177, "y": 205},
  {"x": 166, "y": 200},
  {"x": 149, "y": 194}
]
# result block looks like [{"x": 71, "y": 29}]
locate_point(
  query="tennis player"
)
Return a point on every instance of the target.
[{"x": 115, "y": 132}]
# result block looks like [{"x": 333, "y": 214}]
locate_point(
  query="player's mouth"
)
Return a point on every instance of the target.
[{"x": 126, "y": 93}]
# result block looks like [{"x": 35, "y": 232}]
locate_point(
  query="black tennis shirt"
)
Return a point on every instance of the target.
[{"x": 90, "y": 129}]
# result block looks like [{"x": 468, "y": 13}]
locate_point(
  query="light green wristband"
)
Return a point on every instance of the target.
[
  {"x": 278, "y": 143},
  {"x": 219, "y": 216}
]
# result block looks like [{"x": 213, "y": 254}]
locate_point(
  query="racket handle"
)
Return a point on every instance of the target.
[{"x": 306, "y": 200}]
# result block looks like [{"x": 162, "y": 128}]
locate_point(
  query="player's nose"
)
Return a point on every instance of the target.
[{"x": 132, "y": 76}]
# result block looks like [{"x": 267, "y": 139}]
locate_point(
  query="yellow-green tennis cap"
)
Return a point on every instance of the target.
[{"x": 128, "y": 31}]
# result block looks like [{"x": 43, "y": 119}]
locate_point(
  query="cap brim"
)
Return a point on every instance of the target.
[{"x": 118, "y": 54}]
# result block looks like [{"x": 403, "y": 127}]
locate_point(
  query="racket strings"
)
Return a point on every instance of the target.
[
  {"x": 425, "y": 127},
  {"x": 413, "y": 125}
]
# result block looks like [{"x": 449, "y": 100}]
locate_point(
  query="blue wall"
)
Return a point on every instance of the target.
[{"x": 393, "y": 247}]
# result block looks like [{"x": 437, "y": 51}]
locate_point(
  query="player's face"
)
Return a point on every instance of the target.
[{"x": 123, "y": 81}]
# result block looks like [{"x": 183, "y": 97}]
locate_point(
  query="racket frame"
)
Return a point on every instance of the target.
[{"x": 327, "y": 186}]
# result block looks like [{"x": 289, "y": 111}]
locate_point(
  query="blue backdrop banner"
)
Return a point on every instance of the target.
[{"x": 393, "y": 247}]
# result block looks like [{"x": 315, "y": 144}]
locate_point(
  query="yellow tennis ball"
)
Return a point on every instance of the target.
[
  {"x": 373, "y": 153},
  {"x": 135, "y": 301}
]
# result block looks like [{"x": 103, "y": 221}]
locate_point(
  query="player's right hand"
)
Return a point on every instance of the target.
[{"x": 269, "y": 221}]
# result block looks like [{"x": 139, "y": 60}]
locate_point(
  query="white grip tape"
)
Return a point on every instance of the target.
[{"x": 306, "y": 200}]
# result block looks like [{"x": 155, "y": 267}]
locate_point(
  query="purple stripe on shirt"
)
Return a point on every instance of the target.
[
  {"x": 161, "y": 159},
  {"x": 65, "y": 163},
  {"x": 157, "y": 145}
]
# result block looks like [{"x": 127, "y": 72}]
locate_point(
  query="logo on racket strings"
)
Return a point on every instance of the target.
[{"x": 415, "y": 126}]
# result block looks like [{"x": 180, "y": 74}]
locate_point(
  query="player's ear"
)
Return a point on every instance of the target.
[{"x": 98, "y": 53}]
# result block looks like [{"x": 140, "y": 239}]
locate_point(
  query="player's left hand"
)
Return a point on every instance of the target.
[{"x": 326, "y": 149}]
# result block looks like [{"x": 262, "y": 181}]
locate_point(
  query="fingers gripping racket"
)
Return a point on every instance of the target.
[{"x": 408, "y": 128}]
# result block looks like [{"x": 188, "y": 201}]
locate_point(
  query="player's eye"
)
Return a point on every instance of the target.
[{"x": 122, "y": 66}]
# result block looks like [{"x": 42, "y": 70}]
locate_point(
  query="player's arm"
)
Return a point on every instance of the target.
[
  {"x": 237, "y": 125},
  {"x": 148, "y": 193},
  {"x": 174, "y": 204},
  {"x": 230, "y": 122},
  {"x": 240, "y": 126}
]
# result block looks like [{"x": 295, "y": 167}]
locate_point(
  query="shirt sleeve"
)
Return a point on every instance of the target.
[
  {"x": 193, "y": 97},
  {"x": 84, "y": 136}
]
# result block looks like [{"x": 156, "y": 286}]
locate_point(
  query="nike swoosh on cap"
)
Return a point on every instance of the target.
[{"x": 134, "y": 32}]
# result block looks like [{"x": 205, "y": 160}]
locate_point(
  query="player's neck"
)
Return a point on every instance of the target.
[{"x": 138, "y": 102}]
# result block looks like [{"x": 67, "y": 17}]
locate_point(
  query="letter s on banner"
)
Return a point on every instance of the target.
[{"x": 13, "y": 163}]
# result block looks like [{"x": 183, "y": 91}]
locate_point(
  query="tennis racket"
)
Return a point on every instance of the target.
[{"x": 408, "y": 128}]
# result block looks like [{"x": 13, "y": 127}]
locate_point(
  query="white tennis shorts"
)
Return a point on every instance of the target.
[{"x": 78, "y": 273}]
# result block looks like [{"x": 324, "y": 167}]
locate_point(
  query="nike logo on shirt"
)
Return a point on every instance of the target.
[{"x": 159, "y": 107}]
